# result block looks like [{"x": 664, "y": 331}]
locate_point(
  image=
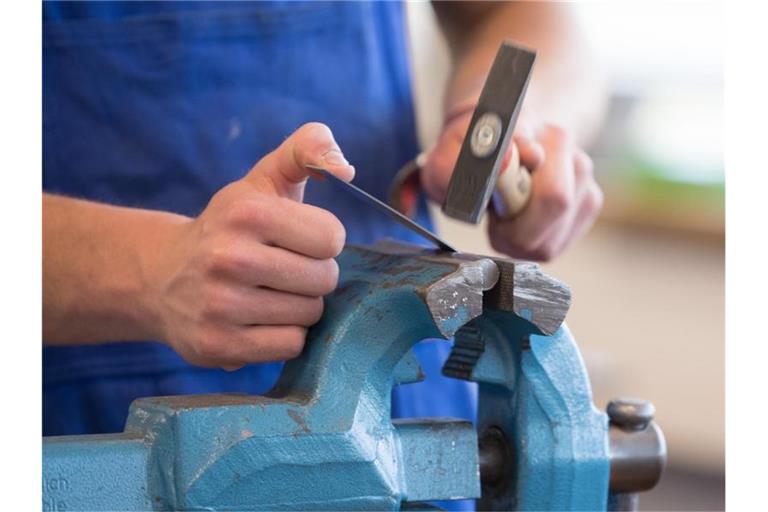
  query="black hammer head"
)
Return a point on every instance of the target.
[{"x": 490, "y": 131}]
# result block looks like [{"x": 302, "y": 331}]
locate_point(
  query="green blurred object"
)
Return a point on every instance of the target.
[
  {"x": 650, "y": 182},
  {"x": 642, "y": 193}
]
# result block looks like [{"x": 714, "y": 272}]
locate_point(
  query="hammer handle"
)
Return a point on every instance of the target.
[{"x": 513, "y": 188}]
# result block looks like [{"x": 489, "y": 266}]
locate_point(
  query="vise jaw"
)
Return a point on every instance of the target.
[{"x": 323, "y": 439}]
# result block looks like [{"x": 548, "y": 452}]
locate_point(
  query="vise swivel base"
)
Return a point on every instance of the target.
[{"x": 323, "y": 438}]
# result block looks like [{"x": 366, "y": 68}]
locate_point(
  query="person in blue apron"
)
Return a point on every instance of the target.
[{"x": 153, "y": 116}]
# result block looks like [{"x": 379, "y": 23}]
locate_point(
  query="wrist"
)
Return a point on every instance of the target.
[{"x": 160, "y": 255}]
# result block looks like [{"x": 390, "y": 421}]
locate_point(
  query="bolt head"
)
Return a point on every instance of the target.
[
  {"x": 630, "y": 413},
  {"x": 486, "y": 135}
]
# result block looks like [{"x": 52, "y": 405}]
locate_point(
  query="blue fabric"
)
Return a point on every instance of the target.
[{"x": 159, "y": 104}]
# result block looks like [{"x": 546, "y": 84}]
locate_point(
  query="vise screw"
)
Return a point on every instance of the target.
[{"x": 323, "y": 439}]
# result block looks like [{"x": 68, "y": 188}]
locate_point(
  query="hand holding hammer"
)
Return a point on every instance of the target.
[{"x": 483, "y": 157}]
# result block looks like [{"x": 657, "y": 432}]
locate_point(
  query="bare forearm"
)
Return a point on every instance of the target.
[
  {"x": 97, "y": 270},
  {"x": 220, "y": 289},
  {"x": 566, "y": 88}
]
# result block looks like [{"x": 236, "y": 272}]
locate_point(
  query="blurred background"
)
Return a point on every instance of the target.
[{"x": 648, "y": 281}]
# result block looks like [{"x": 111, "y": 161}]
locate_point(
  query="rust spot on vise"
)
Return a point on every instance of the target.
[
  {"x": 343, "y": 289},
  {"x": 299, "y": 419}
]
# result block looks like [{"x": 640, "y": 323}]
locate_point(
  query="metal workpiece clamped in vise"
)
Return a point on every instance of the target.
[{"x": 323, "y": 438}]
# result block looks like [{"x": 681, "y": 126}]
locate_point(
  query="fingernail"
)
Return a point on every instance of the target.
[{"x": 334, "y": 157}]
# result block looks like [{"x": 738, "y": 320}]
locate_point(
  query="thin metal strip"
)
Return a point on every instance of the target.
[{"x": 383, "y": 207}]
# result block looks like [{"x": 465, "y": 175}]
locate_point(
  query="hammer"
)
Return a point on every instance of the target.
[{"x": 478, "y": 175}]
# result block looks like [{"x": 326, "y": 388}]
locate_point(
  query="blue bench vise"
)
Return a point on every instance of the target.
[{"x": 323, "y": 438}]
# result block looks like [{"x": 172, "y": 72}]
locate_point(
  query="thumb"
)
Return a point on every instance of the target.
[{"x": 283, "y": 171}]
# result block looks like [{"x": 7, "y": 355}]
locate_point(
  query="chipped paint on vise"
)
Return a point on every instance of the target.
[{"x": 321, "y": 440}]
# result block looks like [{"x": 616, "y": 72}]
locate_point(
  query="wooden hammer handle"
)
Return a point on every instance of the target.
[{"x": 513, "y": 188}]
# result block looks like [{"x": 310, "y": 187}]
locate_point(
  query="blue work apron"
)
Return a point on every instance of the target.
[{"x": 159, "y": 105}]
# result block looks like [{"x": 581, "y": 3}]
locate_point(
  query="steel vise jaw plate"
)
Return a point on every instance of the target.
[
  {"x": 526, "y": 291},
  {"x": 453, "y": 295},
  {"x": 522, "y": 291},
  {"x": 518, "y": 287}
]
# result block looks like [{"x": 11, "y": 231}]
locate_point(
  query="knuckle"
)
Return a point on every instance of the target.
[
  {"x": 314, "y": 127},
  {"x": 529, "y": 245},
  {"x": 556, "y": 202},
  {"x": 499, "y": 244},
  {"x": 545, "y": 253},
  {"x": 215, "y": 303},
  {"x": 316, "y": 138},
  {"x": 225, "y": 196},
  {"x": 557, "y": 133},
  {"x": 219, "y": 259},
  {"x": 224, "y": 259},
  {"x": 213, "y": 260},
  {"x": 249, "y": 212}
]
